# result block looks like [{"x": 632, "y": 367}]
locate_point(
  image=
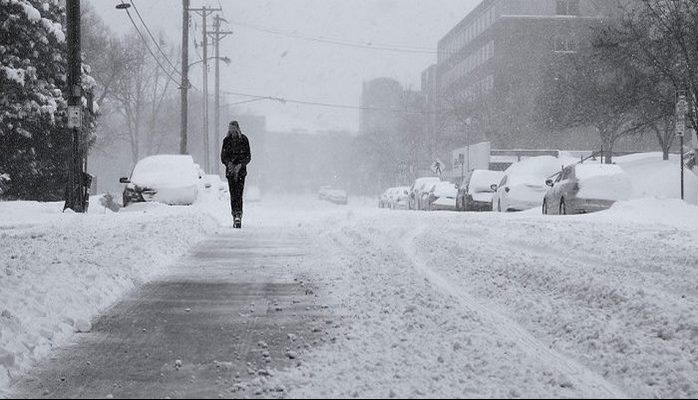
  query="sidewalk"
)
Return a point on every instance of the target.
[{"x": 227, "y": 314}]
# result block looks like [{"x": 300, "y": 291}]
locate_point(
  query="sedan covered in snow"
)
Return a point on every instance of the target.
[
  {"x": 442, "y": 197},
  {"x": 475, "y": 193},
  {"x": 523, "y": 185},
  {"x": 337, "y": 196},
  {"x": 417, "y": 192},
  {"x": 585, "y": 188},
  {"x": 167, "y": 179}
]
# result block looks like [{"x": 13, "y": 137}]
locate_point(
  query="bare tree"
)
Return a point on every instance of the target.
[{"x": 141, "y": 93}]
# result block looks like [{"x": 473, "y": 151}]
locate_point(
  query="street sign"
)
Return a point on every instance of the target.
[
  {"x": 680, "y": 127},
  {"x": 74, "y": 117},
  {"x": 437, "y": 167},
  {"x": 681, "y": 111}
]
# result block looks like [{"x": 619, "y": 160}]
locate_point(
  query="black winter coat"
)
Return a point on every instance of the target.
[{"x": 236, "y": 151}]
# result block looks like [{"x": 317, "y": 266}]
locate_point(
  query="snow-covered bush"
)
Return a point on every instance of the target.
[{"x": 34, "y": 139}]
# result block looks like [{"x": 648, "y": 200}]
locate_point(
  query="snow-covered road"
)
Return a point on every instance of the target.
[{"x": 485, "y": 305}]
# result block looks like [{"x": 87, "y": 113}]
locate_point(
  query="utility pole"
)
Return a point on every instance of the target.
[
  {"x": 184, "y": 100},
  {"x": 204, "y": 12},
  {"x": 681, "y": 111},
  {"x": 75, "y": 188},
  {"x": 217, "y": 35}
]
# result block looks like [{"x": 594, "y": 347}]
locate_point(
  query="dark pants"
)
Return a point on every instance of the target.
[{"x": 237, "y": 188}]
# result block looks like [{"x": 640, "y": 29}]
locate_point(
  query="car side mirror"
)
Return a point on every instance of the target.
[
  {"x": 550, "y": 182},
  {"x": 494, "y": 187},
  {"x": 124, "y": 181}
]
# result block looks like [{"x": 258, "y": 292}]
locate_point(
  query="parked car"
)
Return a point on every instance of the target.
[
  {"x": 585, "y": 188},
  {"x": 324, "y": 190},
  {"x": 399, "y": 200},
  {"x": 384, "y": 199},
  {"x": 442, "y": 197},
  {"x": 337, "y": 196},
  {"x": 523, "y": 185},
  {"x": 475, "y": 193},
  {"x": 168, "y": 179},
  {"x": 417, "y": 189}
]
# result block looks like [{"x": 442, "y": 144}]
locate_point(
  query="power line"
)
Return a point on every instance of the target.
[
  {"x": 165, "y": 56},
  {"x": 324, "y": 104},
  {"x": 339, "y": 42},
  {"x": 145, "y": 43}
]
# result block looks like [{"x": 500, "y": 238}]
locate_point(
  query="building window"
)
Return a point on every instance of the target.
[{"x": 567, "y": 7}]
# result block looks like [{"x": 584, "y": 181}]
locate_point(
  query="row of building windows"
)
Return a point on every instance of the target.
[
  {"x": 481, "y": 56},
  {"x": 462, "y": 38},
  {"x": 479, "y": 88}
]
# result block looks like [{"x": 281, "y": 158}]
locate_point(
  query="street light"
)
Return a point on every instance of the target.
[
  {"x": 224, "y": 59},
  {"x": 123, "y": 6}
]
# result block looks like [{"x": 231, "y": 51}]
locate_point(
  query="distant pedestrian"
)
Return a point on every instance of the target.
[{"x": 235, "y": 155}]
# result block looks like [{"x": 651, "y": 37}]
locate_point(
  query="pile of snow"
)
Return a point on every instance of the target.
[
  {"x": 603, "y": 182},
  {"x": 655, "y": 178},
  {"x": 59, "y": 270},
  {"x": 654, "y": 211}
]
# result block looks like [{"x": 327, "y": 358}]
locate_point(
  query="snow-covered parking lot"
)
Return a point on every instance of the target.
[{"x": 421, "y": 304}]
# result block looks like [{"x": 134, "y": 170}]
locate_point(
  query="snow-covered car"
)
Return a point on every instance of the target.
[
  {"x": 167, "y": 179},
  {"x": 417, "y": 189},
  {"x": 399, "y": 198},
  {"x": 384, "y": 199},
  {"x": 322, "y": 193},
  {"x": 586, "y": 188},
  {"x": 337, "y": 196},
  {"x": 475, "y": 193},
  {"x": 442, "y": 197},
  {"x": 523, "y": 185}
]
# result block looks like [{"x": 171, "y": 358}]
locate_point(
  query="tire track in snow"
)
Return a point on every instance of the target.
[{"x": 594, "y": 384}]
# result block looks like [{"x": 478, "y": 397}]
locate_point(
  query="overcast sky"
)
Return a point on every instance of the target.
[{"x": 281, "y": 66}]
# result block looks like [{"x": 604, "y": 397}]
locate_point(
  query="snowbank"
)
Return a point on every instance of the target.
[
  {"x": 664, "y": 212},
  {"x": 59, "y": 270},
  {"x": 653, "y": 177}
]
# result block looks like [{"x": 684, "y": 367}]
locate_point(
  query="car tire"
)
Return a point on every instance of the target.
[{"x": 563, "y": 207}]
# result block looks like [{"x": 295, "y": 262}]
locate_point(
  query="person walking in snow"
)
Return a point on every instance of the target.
[{"x": 235, "y": 155}]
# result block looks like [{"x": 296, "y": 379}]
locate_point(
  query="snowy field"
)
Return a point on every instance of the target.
[{"x": 422, "y": 304}]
